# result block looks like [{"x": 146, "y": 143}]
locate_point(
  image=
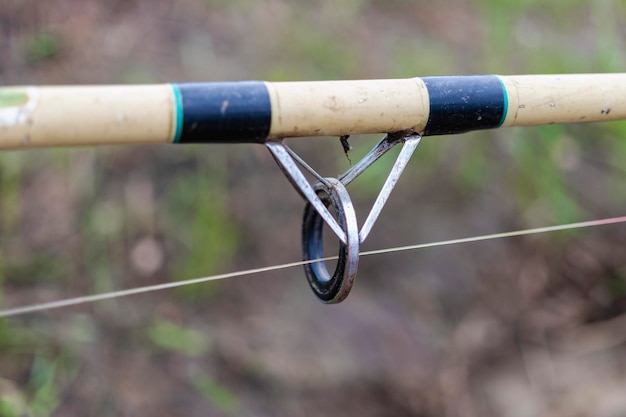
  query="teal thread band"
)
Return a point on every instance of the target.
[
  {"x": 505, "y": 108},
  {"x": 178, "y": 113}
]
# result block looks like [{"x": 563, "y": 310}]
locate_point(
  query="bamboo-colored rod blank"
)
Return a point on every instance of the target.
[
  {"x": 347, "y": 107},
  {"x": 85, "y": 115},
  {"x": 548, "y": 99},
  {"x": 93, "y": 115}
]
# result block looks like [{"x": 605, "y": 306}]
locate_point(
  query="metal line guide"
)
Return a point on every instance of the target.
[{"x": 328, "y": 192}]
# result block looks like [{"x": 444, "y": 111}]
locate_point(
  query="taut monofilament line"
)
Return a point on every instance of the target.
[{"x": 9, "y": 312}]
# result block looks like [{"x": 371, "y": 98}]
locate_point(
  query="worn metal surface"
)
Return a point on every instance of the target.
[
  {"x": 332, "y": 191},
  {"x": 335, "y": 288}
]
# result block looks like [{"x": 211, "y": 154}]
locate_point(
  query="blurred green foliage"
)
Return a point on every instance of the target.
[
  {"x": 208, "y": 238},
  {"x": 42, "y": 46},
  {"x": 12, "y": 403},
  {"x": 45, "y": 396},
  {"x": 527, "y": 36},
  {"x": 217, "y": 394},
  {"x": 170, "y": 336}
]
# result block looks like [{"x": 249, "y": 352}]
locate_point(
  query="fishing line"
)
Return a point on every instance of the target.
[
  {"x": 140, "y": 290},
  {"x": 545, "y": 229},
  {"x": 149, "y": 288}
]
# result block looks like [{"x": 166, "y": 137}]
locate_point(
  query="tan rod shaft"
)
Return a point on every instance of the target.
[{"x": 260, "y": 111}]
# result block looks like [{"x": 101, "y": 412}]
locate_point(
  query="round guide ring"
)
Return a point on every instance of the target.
[{"x": 335, "y": 288}]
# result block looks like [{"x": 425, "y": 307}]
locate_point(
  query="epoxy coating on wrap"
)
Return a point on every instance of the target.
[
  {"x": 224, "y": 112},
  {"x": 464, "y": 103}
]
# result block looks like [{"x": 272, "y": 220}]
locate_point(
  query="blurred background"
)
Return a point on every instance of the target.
[{"x": 515, "y": 327}]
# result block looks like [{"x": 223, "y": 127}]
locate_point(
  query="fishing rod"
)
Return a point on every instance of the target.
[{"x": 268, "y": 112}]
